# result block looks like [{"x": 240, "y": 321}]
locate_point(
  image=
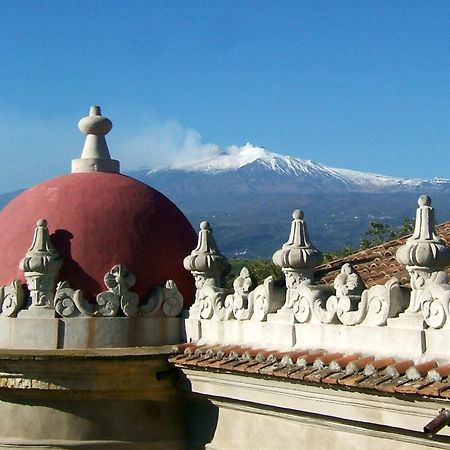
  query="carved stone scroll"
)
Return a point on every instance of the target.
[
  {"x": 12, "y": 299},
  {"x": 266, "y": 298},
  {"x": 118, "y": 281},
  {"x": 153, "y": 304},
  {"x": 384, "y": 302},
  {"x": 312, "y": 303},
  {"x": 434, "y": 302},
  {"x": 173, "y": 300},
  {"x": 70, "y": 302},
  {"x": 239, "y": 300}
]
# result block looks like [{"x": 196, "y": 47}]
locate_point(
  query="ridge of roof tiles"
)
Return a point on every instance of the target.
[
  {"x": 360, "y": 371},
  {"x": 376, "y": 265}
]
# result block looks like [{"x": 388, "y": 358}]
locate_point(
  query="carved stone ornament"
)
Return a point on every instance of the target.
[
  {"x": 70, "y": 302},
  {"x": 12, "y": 299},
  {"x": 209, "y": 267},
  {"x": 41, "y": 266},
  {"x": 266, "y": 298},
  {"x": 297, "y": 258},
  {"x": 434, "y": 301},
  {"x": 424, "y": 253},
  {"x": 118, "y": 281},
  {"x": 210, "y": 302},
  {"x": 239, "y": 301},
  {"x": 173, "y": 300},
  {"x": 95, "y": 156},
  {"x": 206, "y": 259}
]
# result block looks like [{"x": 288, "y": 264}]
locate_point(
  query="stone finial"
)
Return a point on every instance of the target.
[
  {"x": 424, "y": 249},
  {"x": 206, "y": 259},
  {"x": 298, "y": 254},
  {"x": 95, "y": 156},
  {"x": 41, "y": 266}
]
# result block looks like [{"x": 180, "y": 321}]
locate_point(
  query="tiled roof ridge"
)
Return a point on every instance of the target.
[{"x": 430, "y": 378}]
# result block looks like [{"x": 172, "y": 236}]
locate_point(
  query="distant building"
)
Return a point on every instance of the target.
[{"x": 108, "y": 342}]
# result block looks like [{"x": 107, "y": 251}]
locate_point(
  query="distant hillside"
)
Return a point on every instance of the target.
[
  {"x": 8, "y": 196},
  {"x": 248, "y": 194}
]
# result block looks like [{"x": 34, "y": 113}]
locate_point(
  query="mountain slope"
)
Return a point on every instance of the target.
[
  {"x": 251, "y": 169},
  {"x": 248, "y": 194}
]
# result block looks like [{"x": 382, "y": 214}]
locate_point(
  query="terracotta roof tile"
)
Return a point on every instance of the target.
[
  {"x": 420, "y": 370},
  {"x": 399, "y": 368},
  {"x": 391, "y": 384},
  {"x": 309, "y": 358},
  {"x": 439, "y": 373},
  {"x": 372, "y": 381},
  {"x": 376, "y": 265},
  {"x": 334, "y": 378},
  {"x": 318, "y": 375},
  {"x": 434, "y": 389},
  {"x": 357, "y": 365},
  {"x": 302, "y": 373},
  {"x": 350, "y": 371},
  {"x": 412, "y": 387},
  {"x": 353, "y": 380},
  {"x": 373, "y": 367},
  {"x": 322, "y": 361}
]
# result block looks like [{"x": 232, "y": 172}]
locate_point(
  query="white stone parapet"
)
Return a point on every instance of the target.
[
  {"x": 345, "y": 316},
  {"x": 60, "y": 317}
]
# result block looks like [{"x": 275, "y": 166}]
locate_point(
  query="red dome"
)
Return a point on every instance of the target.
[{"x": 97, "y": 220}]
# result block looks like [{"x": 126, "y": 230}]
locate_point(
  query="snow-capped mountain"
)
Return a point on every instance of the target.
[
  {"x": 278, "y": 170},
  {"x": 248, "y": 194}
]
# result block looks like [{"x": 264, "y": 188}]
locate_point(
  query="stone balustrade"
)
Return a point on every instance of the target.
[{"x": 346, "y": 315}]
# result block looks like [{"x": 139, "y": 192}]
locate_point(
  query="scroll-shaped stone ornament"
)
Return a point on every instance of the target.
[
  {"x": 210, "y": 301},
  {"x": 12, "y": 299},
  {"x": 297, "y": 258},
  {"x": 173, "y": 300},
  {"x": 118, "y": 281},
  {"x": 70, "y": 302},
  {"x": 434, "y": 301},
  {"x": 349, "y": 287},
  {"x": 266, "y": 298},
  {"x": 383, "y": 302},
  {"x": 209, "y": 267},
  {"x": 314, "y": 303},
  {"x": 152, "y": 306},
  {"x": 41, "y": 266},
  {"x": 424, "y": 253},
  {"x": 239, "y": 300}
]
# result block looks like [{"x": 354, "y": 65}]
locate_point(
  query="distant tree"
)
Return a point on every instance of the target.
[
  {"x": 259, "y": 270},
  {"x": 380, "y": 232}
]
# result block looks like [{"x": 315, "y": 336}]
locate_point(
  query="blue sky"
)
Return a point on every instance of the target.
[{"x": 356, "y": 84}]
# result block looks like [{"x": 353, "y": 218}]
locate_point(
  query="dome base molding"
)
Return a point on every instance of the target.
[{"x": 46, "y": 333}]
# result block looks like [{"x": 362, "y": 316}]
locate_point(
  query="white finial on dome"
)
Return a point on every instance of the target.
[{"x": 95, "y": 156}]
